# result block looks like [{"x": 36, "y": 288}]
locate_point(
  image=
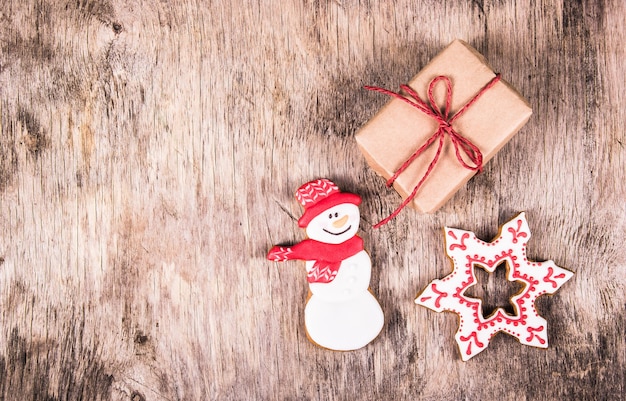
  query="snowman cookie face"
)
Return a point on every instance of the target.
[{"x": 335, "y": 225}]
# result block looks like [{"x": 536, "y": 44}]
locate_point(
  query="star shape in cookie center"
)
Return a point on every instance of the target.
[
  {"x": 466, "y": 251},
  {"x": 495, "y": 289}
]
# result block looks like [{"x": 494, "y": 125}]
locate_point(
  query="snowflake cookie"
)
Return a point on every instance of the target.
[{"x": 466, "y": 251}]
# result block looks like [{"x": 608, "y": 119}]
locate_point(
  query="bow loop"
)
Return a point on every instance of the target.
[
  {"x": 443, "y": 116},
  {"x": 470, "y": 150}
]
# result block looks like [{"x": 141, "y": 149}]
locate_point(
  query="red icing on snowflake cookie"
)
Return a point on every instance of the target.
[{"x": 467, "y": 251}]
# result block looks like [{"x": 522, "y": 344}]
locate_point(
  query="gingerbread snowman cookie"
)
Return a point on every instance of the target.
[{"x": 341, "y": 313}]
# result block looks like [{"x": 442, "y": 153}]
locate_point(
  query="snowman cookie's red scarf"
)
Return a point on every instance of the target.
[{"x": 327, "y": 257}]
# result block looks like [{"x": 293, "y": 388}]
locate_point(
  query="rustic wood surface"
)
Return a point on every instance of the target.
[{"x": 149, "y": 153}]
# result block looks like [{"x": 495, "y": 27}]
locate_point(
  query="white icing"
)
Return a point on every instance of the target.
[
  {"x": 335, "y": 225},
  {"x": 342, "y": 315},
  {"x": 344, "y": 326}
]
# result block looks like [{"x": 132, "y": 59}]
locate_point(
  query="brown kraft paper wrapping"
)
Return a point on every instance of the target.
[{"x": 399, "y": 129}]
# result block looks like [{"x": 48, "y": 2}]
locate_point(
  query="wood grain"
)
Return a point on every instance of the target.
[{"x": 149, "y": 152}]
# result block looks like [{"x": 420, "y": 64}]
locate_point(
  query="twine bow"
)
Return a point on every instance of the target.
[{"x": 462, "y": 146}]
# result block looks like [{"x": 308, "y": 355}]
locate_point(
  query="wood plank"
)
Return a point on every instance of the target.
[{"x": 149, "y": 152}]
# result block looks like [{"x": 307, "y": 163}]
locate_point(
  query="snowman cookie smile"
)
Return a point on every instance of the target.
[{"x": 343, "y": 232}]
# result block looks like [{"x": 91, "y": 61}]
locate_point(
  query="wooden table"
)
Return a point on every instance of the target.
[{"x": 149, "y": 153}]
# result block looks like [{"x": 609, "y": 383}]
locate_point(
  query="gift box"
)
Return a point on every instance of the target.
[{"x": 460, "y": 81}]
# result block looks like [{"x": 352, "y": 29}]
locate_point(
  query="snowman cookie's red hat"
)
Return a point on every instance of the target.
[{"x": 319, "y": 195}]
